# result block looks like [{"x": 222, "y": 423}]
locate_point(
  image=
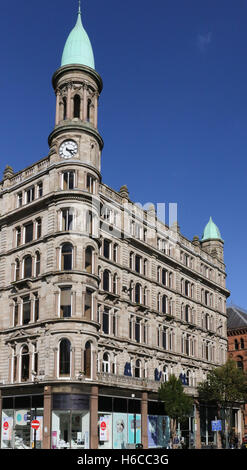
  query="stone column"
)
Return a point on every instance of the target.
[
  {"x": 69, "y": 103},
  {"x": 95, "y": 110},
  {"x": 144, "y": 420},
  {"x": 47, "y": 417},
  {"x": 94, "y": 417},
  {"x": 198, "y": 427},
  {"x": 57, "y": 106},
  {"x": 85, "y": 103}
]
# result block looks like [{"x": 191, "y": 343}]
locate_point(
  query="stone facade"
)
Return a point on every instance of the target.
[{"x": 80, "y": 262}]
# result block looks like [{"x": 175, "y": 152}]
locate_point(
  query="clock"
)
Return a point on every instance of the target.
[{"x": 68, "y": 149}]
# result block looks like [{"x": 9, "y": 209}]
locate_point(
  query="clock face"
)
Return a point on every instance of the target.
[{"x": 68, "y": 149}]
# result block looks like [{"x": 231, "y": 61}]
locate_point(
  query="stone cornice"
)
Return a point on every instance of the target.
[
  {"x": 71, "y": 126},
  {"x": 77, "y": 68}
]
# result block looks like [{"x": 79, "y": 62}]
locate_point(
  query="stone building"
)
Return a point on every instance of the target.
[
  {"x": 237, "y": 344},
  {"x": 100, "y": 300}
]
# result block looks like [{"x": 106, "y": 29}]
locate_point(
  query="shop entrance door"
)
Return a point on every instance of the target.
[{"x": 70, "y": 429}]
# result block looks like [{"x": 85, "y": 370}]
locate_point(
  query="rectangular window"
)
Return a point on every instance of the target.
[
  {"x": 138, "y": 330},
  {"x": 26, "y": 310},
  {"x": 18, "y": 236},
  {"x": 91, "y": 184},
  {"x": 67, "y": 219},
  {"x": 107, "y": 249},
  {"x": 138, "y": 264},
  {"x": 68, "y": 180},
  {"x": 164, "y": 338},
  {"x": 65, "y": 302},
  {"x": 30, "y": 194},
  {"x": 88, "y": 304},
  {"x": 40, "y": 190},
  {"x": 29, "y": 232},
  {"x": 38, "y": 228},
  {"x": 16, "y": 313},
  {"x": 19, "y": 199},
  {"x": 114, "y": 323},
  {"x": 36, "y": 307},
  {"x": 106, "y": 323}
]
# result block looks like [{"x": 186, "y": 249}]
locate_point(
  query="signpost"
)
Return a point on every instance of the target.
[
  {"x": 216, "y": 426},
  {"x": 35, "y": 424}
]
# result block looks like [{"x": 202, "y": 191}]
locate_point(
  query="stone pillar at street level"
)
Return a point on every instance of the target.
[
  {"x": 94, "y": 417},
  {"x": 47, "y": 418},
  {"x": 144, "y": 419},
  {"x": 198, "y": 427}
]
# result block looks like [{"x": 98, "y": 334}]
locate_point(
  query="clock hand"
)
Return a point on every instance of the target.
[{"x": 69, "y": 150}]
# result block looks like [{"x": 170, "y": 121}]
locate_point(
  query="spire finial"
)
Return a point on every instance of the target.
[{"x": 79, "y": 11}]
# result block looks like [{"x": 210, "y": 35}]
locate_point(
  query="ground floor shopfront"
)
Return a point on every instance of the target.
[{"x": 87, "y": 417}]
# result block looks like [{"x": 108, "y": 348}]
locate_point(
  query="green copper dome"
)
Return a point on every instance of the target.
[
  {"x": 78, "y": 49},
  {"x": 211, "y": 231}
]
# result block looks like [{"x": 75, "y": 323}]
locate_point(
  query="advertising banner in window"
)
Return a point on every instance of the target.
[
  {"x": 7, "y": 428},
  {"x": 119, "y": 430},
  {"x": 152, "y": 431},
  {"x": 163, "y": 431},
  {"x": 104, "y": 431},
  {"x": 134, "y": 429}
]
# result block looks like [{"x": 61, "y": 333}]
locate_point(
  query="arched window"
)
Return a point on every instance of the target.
[
  {"x": 242, "y": 343},
  {"x": 106, "y": 363},
  {"x": 165, "y": 374},
  {"x": 138, "y": 293},
  {"x": 28, "y": 264},
  {"x": 236, "y": 344},
  {"x": 37, "y": 263},
  {"x": 89, "y": 259},
  {"x": 106, "y": 280},
  {"x": 64, "y": 108},
  {"x": 24, "y": 364},
  {"x": 87, "y": 360},
  {"x": 66, "y": 257},
  {"x": 17, "y": 270},
  {"x": 77, "y": 106},
  {"x": 138, "y": 368},
  {"x": 240, "y": 363},
  {"x": 64, "y": 358}
]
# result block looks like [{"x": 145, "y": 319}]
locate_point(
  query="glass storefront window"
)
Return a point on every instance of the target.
[
  {"x": 7, "y": 429},
  {"x": 17, "y": 415},
  {"x": 158, "y": 431},
  {"x": 22, "y": 430},
  {"x": 70, "y": 429}
]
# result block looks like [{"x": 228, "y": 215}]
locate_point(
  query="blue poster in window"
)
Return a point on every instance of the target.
[
  {"x": 134, "y": 429},
  {"x": 163, "y": 431},
  {"x": 152, "y": 431},
  {"x": 119, "y": 430}
]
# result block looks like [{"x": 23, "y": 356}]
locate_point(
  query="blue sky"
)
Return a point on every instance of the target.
[{"x": 173, "y": 111}]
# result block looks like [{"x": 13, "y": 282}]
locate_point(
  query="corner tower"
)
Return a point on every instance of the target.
[
  {"x": 212, "y": 242},
  {"x": 77, "y": 87}
]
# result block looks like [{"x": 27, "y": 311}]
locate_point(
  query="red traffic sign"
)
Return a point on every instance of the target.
[
  {"x": 35, "y": 424},
  {"x": 103, "y": 425},
  {"x": 5, "y": 425}
]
